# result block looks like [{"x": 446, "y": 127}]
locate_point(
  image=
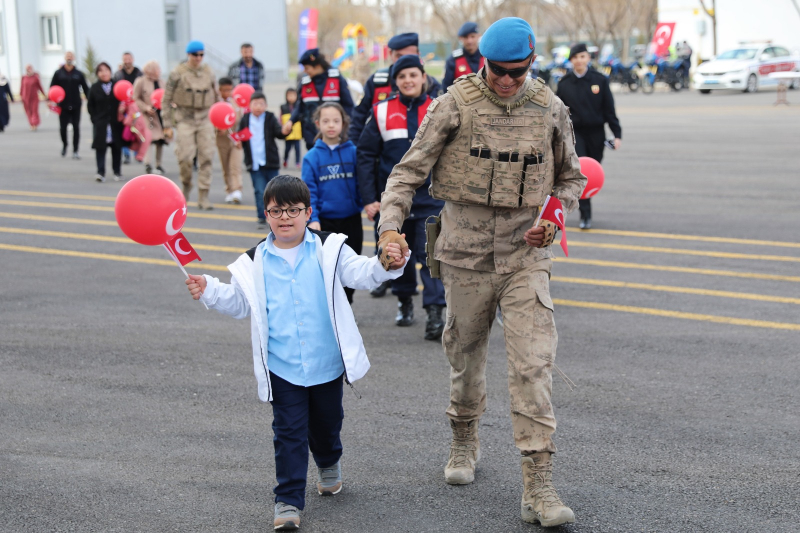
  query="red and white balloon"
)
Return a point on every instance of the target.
[
  {"x": 156, "y": 97},
  {"x": 123, "y": 91},
  {"x": 222, "y": 115},
  {"x": 241, "y": 95},
  {"x": 150, "y": 209},
  {"x": 595, "y": 177}
]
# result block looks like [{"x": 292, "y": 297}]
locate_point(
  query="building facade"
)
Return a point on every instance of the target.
[{"x": 40, "y": 32}]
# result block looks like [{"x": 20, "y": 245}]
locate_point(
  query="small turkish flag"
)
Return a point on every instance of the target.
[
  {"x": 180, "y": 248},
  {"x": 54, "y": 108},
  {"x": 553, "y": 211},
  {"x": 241, "y": 135}
]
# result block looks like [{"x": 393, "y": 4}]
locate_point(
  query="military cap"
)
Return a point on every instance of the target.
[
  {"x": 577, "y": 49},
  {"x": 509, "y": 40},
  {"x": 409, "y": 61},
  {"x": 309, "y": 56},
  {"x": 467, "y": 28},
  {"x": 194, "y": 46},
  {"x": 400, "y": 41}
]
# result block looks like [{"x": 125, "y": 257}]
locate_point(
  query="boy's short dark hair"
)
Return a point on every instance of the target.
[
  {"x": 258, "y": 95},
  {"x": 291, "y": 90},
  {"x": 225, "y": 81},
  {"x": 246, "y": 45},
  {"x": 287, "y": 190}
]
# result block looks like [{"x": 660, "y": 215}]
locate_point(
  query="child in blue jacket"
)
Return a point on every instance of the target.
[{"x": 329, "y": 170}]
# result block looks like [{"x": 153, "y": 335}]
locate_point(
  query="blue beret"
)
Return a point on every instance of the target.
[
  {"x": 400, "y": 41},
  {"x": 309, "y": 56},
  {"x": 194, "y": 46},
  {"x": 467, "y": 28},
  {"x": 509, "y": 39},
  {"x": 409, "y": 61}
]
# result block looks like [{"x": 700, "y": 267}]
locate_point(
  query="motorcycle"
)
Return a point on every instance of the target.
[{"x": 616, "y": 71}]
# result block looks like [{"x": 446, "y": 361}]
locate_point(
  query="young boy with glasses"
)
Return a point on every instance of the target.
[{"x": 305, "y": 338}]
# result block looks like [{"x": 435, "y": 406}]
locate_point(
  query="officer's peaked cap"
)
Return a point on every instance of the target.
[
  {"x": 467, "y": 28},
  {"x": 401, "y": 40},
  {"x": 509, "y": 39},
  {"x": 194, "y": 46},
  {"x": 577, "y": 49}
]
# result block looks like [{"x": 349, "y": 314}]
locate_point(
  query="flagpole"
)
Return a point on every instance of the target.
[
  {"x": 169, "y": 251},
  {"x": 544, "y": 206}
]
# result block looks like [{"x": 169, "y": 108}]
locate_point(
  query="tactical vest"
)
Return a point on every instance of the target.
[
  {"x": 308, "y": 91},
  {"x": 383, "y": 85},
  {"x": 502, "y": 155},
  {"x": 392, "y": 118},
  {"x": 462, "y": 65},
  {"x": 195, "y": 88}
]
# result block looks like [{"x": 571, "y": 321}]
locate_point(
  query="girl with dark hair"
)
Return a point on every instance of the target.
[
  {"x": 293, "y": 139},
  {"x": 329, "y": 170},
  {"x": 103, "y": 109}
]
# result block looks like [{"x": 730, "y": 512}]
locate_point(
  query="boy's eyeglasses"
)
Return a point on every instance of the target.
[
  {"x": 512, "y": 72},
  {"x": 293, "y": 212},
  {"x": 197, "y": 54}
]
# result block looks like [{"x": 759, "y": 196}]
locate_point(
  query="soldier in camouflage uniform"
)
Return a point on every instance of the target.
[
  {"x": 190, "y": 92},
  {"x": 497, "y": 143}
]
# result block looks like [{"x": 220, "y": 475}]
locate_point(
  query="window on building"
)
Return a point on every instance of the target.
[
  {"x": 172, "y": 31},
  {"x": 51, "y": 32}
]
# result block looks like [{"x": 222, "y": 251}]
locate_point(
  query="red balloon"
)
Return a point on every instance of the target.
[
  {"x": 222, "y": 115},
  {"x": 123, "y": 91},
  {"x": 150, "y": 209},
  {"x": 56, "y": 94},
  {"x": 242, "y": 93},
  {"x": 595, "y": 177},
  {"x": 155, "y": 98}
]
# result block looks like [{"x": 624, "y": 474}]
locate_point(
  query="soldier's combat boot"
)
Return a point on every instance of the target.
[
  {"x": 540, "y": 501},
  {"x": 203, "y": 201},
  {"x": 405, "y": 312},
  {"x": 186, "y": 178},
  {"x": 435, "y": 325},
  {"x": 465, "y": 452}
]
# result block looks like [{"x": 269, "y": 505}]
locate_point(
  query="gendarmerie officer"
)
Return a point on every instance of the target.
[
  {"x": 465, "y": 60},
  {"x": 322, "y": 83},
  {"x": 587, "y": 94},
  {"x": 381, "y": 85},
  {"x": 497, "y": 144}
]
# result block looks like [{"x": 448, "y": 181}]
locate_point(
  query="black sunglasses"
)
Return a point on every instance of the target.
[
  {"x": 197, "y": 54},
  {"x": 512, "y": 72}
]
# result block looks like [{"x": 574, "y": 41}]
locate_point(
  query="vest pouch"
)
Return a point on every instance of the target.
[
  {"x": 534, "y": 192},
  {"x": 477, "y": 181},
  {"x": 182, "y": 97},
  {"x": 506, "y": 184}
]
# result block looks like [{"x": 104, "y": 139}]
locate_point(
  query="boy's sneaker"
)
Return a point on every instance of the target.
[
  {"x": 287, "y": 517},
  {"x": 148, "y": 168},
  {"x": 236, "y": 196},
  {"x": 100, "y": 178},
  {"x": 329, "y": 480},
  {"x": 229, "y": 198},
  {"x": 118, "y": 177},
  {"x": 160, "y": 170},
  {"x": 262, "y": 223}
]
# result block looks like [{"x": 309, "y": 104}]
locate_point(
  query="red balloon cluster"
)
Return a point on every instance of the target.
[
  {"x": 155, "y": 98},
  {"x": 56, "y": 94},
  {"x": 123, "y": 91},
  {"x": 242, "y": 93},
  {"x": 595, "y": 177},
  {"x": 222, "y": 115},
  {"x": 150, "y": 209}
]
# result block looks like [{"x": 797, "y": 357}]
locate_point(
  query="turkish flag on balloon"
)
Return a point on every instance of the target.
[
  {"x": 182, "y": 250},
  {"x": 553, "y": 211}
]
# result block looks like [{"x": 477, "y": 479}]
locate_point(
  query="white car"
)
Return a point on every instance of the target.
[{"x": 745, "y": 68}]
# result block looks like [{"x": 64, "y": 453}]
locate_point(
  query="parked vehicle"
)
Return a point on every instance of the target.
[{"x": 745, "y": 68}]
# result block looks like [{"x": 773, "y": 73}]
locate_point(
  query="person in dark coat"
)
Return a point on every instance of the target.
[
  {"x": 5, "y": 96},
  {"x": 72, "y": 81},
  {"x": 103, "y": 109},
  {"x": 465, "y": 60},
  {"x": 386, "y": 139},
  {"x": 587, "y": 94},
  {"x": 321, "y": 83},
  {"x": 381, "y": 84},
  {"x": 128, "y": 72}
]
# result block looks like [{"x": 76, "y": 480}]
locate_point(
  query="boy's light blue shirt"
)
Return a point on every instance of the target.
[
  {"x": 302, "y": 346},
  {"x": 258, "y": 147}
]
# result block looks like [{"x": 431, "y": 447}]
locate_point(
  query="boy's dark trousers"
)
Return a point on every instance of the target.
[
  {"x": 353, "y": 228},
  {"x": 304, "y": 418},
  {"x": 589, "y": 143},
  {"x": 287, "y": 148}
]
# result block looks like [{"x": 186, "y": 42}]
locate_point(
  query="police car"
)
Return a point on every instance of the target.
[{"x": 746, "y": 67}]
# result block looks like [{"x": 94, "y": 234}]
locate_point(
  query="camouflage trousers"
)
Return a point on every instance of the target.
[
  {"x": 195, "y": 137},
  {"x": 530, "y": 334}
]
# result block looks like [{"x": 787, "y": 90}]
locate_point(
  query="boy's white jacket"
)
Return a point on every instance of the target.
[{"x": 341, "y": 266}]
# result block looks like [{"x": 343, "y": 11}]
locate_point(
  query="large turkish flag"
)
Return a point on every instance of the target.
[{"x": 662, "y": 38}]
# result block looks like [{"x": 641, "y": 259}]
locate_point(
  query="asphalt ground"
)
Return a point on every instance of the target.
[{"x": 125, "y": 406}]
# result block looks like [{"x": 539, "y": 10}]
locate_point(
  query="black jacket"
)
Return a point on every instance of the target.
[
  {"x": 272, "y": 131},
  {"x": 72, "y": 83},
  {"x": 590, "y": 102},
  {"x": 122, "y": 75},
  {"x": 102, "y": 109}
]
